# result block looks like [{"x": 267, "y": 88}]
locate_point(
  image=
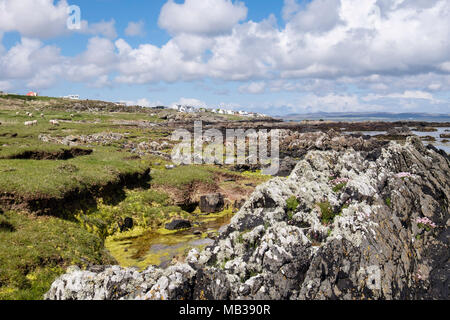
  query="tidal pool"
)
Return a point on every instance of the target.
[{"x": 143, "y": 248}]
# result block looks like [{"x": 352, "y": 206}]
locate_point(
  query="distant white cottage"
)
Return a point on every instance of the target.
[{"x": 72, "y": 97}]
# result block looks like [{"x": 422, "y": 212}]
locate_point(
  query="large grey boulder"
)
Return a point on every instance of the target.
[{"x": 389, "y": 238}]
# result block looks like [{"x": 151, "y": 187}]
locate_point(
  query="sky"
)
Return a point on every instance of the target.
[{"x": 273, "y": 57}]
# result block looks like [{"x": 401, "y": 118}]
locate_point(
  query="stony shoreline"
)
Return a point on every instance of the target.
[{"x": 368, "y": 239}]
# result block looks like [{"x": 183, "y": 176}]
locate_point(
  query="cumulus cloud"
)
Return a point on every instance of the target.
[
  {"x": 94, "y": 64},
  {"x": 103, "y": 28},
  {"x": 319, "y": 16},
  {"x": 135, "y": 29},
  {"x": 45, "y": 19},
  {"x": 27, "y": 59},
  {"x": 208, "y": 17},
  {"x": 144, "y": 102},
  {"x": 190, "y": 102},
  {"x": 253, "y": 88},
  {"x": 405, "y": 95},
  {"x": 34, "y": 18}
]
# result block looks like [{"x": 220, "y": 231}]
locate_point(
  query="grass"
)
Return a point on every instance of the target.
[
  {"x": 337, "y": 188},
  {"x": 27, "y": 98},
  {"x": 48, "y": 178},
  {"x": 181, "y": 176},
  {"x": 291, "y": 206},
  {"x": 388, "y": 202},
  {"x": 327, "y": 213},
  {"x": 39, "y": 250}
]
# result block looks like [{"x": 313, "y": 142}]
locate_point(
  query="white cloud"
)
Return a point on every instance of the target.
[
  {"x": 106, "y": 29},
  {"x": 290, "y": 8},
  {"x": 208, "y": 17},
  {"x": 330, "y": 103},
  {"x": 45, "y": 19},
  {"x": 319, "y": 16},
  {"x": 94, "y": 64},
  {"x": 406, "y": 95},
  {"x": 27, "y": 59},
  {"x": 135, "y": 29},
  {"x": 144, "y": 102},
  {"x": 34, "y": 18},
  {"x": 253, "y": 88},
  {"x": 5, "y": 86},
  {"x": 190, "y": 102}
]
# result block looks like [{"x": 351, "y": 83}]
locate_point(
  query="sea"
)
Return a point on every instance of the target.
[{"x": 439, "y": 143}]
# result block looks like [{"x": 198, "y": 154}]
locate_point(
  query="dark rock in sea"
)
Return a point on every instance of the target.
[
  {"x": 428, "y": 138},
  {"x": 387, "y": 237},
  {"x": 178, "y": 224},
  {"x": 445, "y": 136},
  {"x": 399, "y": 131},
  {"x": 212, "y": 203},
  {"x": 425, "y": 129}
]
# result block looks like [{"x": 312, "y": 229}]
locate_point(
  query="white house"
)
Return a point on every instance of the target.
[{"x": 72, "y": 97}]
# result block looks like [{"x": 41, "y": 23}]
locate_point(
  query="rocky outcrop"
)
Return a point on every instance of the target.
[
  {"x": 368, "y": 225},
  {"x": 212, "y": 203},
  {"x": 104, "y": 138},
  {"x": 297, "y": 145}
]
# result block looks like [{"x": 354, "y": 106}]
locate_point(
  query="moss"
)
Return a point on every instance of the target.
[
  {"x": 181, "y": 176},
  {"x": 147, "y": 208},
  {"x": 142, "y": 247},
  {"x": 388, "y": 202},
  {"x": 327, "y": 213},
  {"x": 39, "y": 250},
  {"x": 291, "y": 206}
]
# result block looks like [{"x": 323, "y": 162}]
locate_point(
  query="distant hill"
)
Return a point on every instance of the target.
[{"x": 366, "y": 116}]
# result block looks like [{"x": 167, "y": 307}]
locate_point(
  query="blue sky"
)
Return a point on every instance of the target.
[{"x": 275, "y": 57}]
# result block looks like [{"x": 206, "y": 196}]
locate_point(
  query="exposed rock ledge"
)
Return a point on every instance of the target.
[{"x": 375, "y": 249}]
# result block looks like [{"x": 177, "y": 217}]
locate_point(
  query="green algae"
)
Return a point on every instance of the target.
[{"x": 143, "y": 247}]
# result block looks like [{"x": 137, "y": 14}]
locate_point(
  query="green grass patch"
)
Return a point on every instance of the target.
[
  {"x": 182, "y": 176},
  {"x": 337, "y": 188},
  {"x": 291, "y": 206},
  {"x": 327, "y": 213},
  {"x": 38, "y": 251},
  {"x": 48, "y": 178},
  {"x": 388, "y": 202}
]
